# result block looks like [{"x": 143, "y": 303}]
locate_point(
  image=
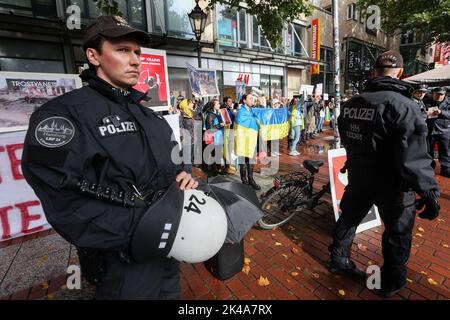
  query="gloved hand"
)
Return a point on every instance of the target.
[{"x": 430, "y": 201}]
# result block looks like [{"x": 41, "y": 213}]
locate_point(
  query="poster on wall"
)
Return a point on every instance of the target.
[
  {"x": 154, "y": 79},
  {"x": 338, "y": 182},
  {"x": 203, "y": 82},
  {"x": 21, "y": 93},
  {"x": 20, "y": 210}
]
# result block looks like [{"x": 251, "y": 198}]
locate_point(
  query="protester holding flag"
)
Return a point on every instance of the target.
[
  {"x": 214, "y": 125},
  {"x": 297, "y": 124},
  {"x": 245, "y": 140}
]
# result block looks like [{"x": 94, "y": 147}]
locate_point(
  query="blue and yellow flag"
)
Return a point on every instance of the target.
[
  {"x": 245, "y": 133},
  {"x": 273, "y": 123}
]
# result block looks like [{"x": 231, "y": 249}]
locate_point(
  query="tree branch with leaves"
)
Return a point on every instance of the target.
[{"x": 430, "y": 18}]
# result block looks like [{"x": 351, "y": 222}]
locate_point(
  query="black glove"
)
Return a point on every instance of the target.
[{"x": 430, "y": 201}]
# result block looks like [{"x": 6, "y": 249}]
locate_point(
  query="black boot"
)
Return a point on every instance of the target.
[
  {"x": 252, "y": 181},
  {"x": 243, "y": 172},
  {"x": 345, "y": 267},
  {"x": 445, "y": 172}
]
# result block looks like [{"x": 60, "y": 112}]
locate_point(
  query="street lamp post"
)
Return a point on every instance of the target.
[{"x": 198, "y": 18}]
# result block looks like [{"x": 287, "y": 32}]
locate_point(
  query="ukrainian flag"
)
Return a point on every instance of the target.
[
  {"x": 273, "y": 123},
  {"x": 245, "y": 133}
]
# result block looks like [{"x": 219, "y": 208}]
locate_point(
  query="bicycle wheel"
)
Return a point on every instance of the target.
[{"x": 280, "y": 205}]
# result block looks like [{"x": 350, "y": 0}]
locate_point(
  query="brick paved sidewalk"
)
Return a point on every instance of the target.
[{"x": 292, "y": 257}]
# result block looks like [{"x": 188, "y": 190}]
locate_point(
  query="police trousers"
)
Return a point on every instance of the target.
[
  {"x": 158, "y": 279},
  {"x": 398, "y": 221},
  {"x": 443, "y": 149}
]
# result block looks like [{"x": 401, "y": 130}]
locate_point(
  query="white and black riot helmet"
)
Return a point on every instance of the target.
[{"x": 188, "y": 226}]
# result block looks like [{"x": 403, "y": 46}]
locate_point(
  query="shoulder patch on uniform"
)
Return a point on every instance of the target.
[{"x": 54, "y": 132}]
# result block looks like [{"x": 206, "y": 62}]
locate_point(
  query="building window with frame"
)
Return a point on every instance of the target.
[
  {"x": 295, "y": 37},
  {"x": 17, "y": 56},
  {"x": 34, "y": 8},
  {"x": 232, "y": 26},
  {"x": 259, "y": 41},
  {"x": 352, "y": 12}
]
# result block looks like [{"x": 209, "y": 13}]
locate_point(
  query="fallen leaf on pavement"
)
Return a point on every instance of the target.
[
  {"x": 419, "y": 235},
  {"x": 251, "y": 239},
  {"x": 247, "y": 261},
  {"x": 274, "y": 235},
  {"x": 246, "y": 269},
  {"x": 315, "y": 275},
  {"x": 291, "y": 228},
  {"x": 294, "y": 250},
  {"x": 294, "y": 274},
  {"x": 421, "y": 229},
  {"x": 362, "y": 247},
  {"x": 263, "y": 281},
  {"x": 432, "y": 281},
  {"x": 423, "y": 272},
  {"x": 285, "y": 256},
  {"x": 342, "y": 292},
  {"x": 278, "y": 244},
  {"x": 445, "y": 245},
  {"x": 409, "y": 280},
  {"x": 369, "y": 262},
  {"x": 288, "y": 281},
  {"x": 441, "y": 220}
]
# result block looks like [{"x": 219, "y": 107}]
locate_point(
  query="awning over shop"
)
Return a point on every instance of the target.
[{"x": 436, "y": 77}]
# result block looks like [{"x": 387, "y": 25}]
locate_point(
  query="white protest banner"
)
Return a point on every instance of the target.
[
  {"x": 326, "y": 97},
  {"x": 338, "y": 181},
  {"x": 174, "y": 123},
  {"x": 306, "y": 88},
  {"x": 20, "y": 210},
  {"x": 319, "y": 89},
  {"x": 21, "y": 93}
]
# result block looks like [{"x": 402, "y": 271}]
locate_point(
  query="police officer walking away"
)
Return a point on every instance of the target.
[
  {"x": 439, "y": 128},
  {"x": 94, "y": 156},
  {"x": 384, "y": 135}
]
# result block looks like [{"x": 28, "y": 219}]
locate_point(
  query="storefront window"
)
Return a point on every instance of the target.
[
  {"x": 360, "y": 60},
  {"x": 179, "y": 82}
]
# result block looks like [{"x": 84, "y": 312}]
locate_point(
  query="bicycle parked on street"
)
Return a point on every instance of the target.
[{"x": 291, "y": 194}]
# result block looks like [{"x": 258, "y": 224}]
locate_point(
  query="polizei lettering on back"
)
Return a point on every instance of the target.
[
  {"x": 356, "y": 113},
  {"x": 112, "y": 130}
]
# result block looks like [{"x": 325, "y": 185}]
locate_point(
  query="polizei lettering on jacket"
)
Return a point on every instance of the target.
[
  {"x": 357, "y": 113},
  {"x": 112, "y": 130}
]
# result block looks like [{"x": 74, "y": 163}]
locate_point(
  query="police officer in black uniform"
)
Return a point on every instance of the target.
[
  {"x": 439, "y": 128},
  {"x": 418, "y": 96},
  {"x": 94, "y": 157},
  {"x": 384, "y": 135}
]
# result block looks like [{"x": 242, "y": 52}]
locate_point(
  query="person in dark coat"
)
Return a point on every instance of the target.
[
  {"x": 438, "y": 112},
  {"x": 101, "y": 137},
  {"x": 384, "y": 135}
]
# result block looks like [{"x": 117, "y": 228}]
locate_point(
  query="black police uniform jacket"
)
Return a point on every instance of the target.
[
  {"x": 101, "y": 135},
  {"x": 441, "y": 124},
  {"x": 384, "y": 135}
]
